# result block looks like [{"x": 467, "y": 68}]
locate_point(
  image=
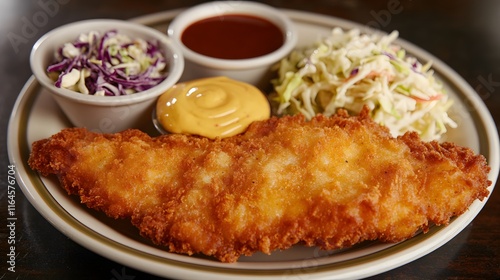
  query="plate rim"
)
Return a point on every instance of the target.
[{"x": 157, "y": 265}]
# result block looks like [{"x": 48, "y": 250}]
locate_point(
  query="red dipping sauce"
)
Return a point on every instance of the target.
[{"x": 233, "y": 36}]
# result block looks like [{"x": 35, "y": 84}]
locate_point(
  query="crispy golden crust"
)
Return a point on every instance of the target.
[{"x": 330, "y": 182}]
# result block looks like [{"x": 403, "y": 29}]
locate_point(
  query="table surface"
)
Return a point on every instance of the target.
[{"x": 463, "y": 34}]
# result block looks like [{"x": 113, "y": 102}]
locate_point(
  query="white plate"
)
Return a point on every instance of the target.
[{"x": 36, "y": 116}]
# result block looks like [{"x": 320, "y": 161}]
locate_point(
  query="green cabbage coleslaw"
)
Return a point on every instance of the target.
[{"x": 350, "y": 70}]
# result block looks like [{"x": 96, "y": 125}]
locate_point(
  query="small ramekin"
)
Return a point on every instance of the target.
[
  {"x": 252, "y": 70},
  {"x": 105, "y": 114}
]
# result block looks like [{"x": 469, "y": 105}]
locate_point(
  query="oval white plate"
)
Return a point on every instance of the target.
[{"x": 36, "y": 116}]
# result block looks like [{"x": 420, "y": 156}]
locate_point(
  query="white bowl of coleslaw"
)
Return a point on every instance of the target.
[{"x": 82, "y": 62}]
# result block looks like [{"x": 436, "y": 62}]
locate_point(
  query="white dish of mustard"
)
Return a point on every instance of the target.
[{"x": 211, "y": 107}]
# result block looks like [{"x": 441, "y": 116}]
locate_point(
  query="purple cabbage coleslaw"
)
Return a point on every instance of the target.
[{"x": 110, "y": 64}]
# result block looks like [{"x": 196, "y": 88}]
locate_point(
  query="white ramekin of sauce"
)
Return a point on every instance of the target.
[
  {"x": 237, "y": 39},
  {"x": 214, "y": 107}
]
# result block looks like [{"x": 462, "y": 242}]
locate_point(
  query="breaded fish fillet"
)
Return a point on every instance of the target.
[{"x": 329, "y": 182}]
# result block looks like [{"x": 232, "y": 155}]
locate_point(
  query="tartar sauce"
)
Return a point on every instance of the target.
[{"x": 211, "y": 107}]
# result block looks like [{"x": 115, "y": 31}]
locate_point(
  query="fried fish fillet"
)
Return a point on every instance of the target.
[{"x": 329, "y": 182}]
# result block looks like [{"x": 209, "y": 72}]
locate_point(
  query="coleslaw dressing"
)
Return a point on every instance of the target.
[{"x": 211, "y": 107}]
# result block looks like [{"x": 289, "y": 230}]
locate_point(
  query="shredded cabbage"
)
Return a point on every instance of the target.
[
  {"x": 109, "y": 65},
  {"x": 349, "y": 70}
]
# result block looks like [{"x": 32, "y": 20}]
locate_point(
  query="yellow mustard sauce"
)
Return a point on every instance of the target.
[{"x": 211, "y": 107}]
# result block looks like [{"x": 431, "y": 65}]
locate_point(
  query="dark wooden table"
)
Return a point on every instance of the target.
[{"x": 464, "y": 34}]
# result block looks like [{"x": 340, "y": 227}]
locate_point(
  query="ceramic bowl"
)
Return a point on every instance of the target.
[
  {"x": 253, "y": 70},
  {"x": 105, "y": 113}
]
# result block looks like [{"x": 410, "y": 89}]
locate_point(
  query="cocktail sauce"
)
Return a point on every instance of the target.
[{"x": 233, "y": 36}]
